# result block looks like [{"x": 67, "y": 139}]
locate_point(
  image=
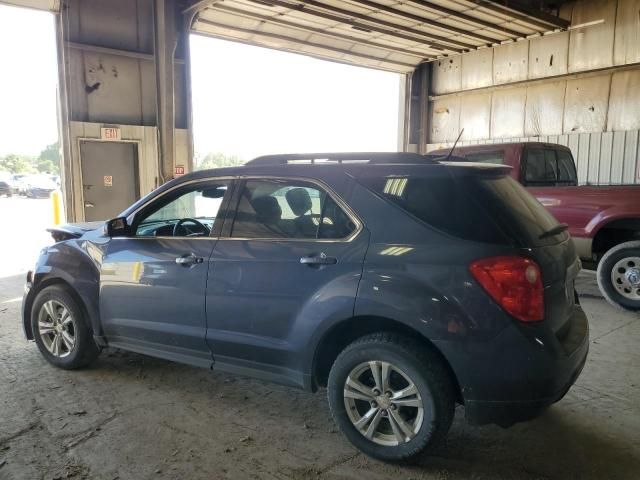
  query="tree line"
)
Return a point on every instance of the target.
[
  {"x": 217, "y": 160},
  {"x": 47, "y": 162}
]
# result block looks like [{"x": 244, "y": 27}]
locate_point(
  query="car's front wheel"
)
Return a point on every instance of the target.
[
  {"x": 619, "y": 275},
  {"x": 60, "y": 329},
  {"x": 391, "y": 397}
]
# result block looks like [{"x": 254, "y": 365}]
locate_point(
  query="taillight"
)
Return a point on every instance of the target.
[{"x": 515, "y": 283}]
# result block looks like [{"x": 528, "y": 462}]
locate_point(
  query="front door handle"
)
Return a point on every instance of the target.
[
  {"x": 321, "y": 259},
  {"x": 189, "y": 259}
]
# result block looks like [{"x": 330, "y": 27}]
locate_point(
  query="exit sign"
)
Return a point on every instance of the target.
[{"x": 110, "y": 133}]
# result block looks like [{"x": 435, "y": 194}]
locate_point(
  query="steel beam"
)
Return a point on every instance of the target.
[
  {"x": 426, "y": 21},
  {"x": 524, "y": 14},
  {"x": 423, "y": 115},
  {"x": 320, "y": 31},
  {"x": 164, "y": 45},
  {"x": 116, "y": 52},
  {"x": 467, "y": 18},
  {"x": 395, "y": 26},
  {"x": 303, "y": 42},
  {"x": 362, "y": 26}
]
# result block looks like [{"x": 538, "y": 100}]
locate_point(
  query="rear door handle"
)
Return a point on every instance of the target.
[
  {"x": 189, "y": 259},
  {"x": 321, "y": 259}
]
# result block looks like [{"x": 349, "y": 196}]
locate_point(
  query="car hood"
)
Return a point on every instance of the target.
[{"x": 72, "y": 230}]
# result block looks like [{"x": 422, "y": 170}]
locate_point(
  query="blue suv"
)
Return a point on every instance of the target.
[{"x": 404, "y": 284}]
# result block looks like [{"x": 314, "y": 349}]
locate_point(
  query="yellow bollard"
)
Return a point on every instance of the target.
[{"x": 56, "y": 201}]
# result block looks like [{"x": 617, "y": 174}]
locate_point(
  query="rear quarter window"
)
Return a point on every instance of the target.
[{"x": 482, "y": 207}]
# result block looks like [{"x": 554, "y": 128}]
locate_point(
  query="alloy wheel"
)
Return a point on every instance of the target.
[
  {"x": 57, "y": 328},
  {"x": 383, "y": 403}
]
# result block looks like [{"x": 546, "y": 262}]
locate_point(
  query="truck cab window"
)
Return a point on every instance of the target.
[
  {"x": 540, "y": 167},
  {"x": 486, "y": 157},
  {"x": 566, "y": 168}
]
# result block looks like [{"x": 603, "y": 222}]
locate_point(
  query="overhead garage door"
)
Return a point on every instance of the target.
[{"x": 383, "y": 34}]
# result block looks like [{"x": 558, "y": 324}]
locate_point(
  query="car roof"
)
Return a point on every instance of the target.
[
  {"x": 496, "y": 146},
  {"x": 296, "y": 163},
  {"x": 311, "y": 165}
]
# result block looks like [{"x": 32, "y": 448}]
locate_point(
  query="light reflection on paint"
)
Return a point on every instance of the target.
[{"x": 395, "y": 251}]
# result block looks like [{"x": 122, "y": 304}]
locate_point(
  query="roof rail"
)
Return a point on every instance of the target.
[{"x": 343, "y": 158}]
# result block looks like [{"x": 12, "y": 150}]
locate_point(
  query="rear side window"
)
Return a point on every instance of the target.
[
  {"x": 488, "y": 208},
  {"x": 548, "y": 167},
  {"x": 566, "y": 167},
  {"x": 486, "y": 157},
  {"x": 440, "y": 202},
  {"x": 282, "y": 209}
]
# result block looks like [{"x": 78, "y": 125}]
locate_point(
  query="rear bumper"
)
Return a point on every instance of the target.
[
  {"x": 506, "y": 413},
  {"x": 529, "y": 369}
]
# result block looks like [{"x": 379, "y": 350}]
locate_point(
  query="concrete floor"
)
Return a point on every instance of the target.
[{"x": 131, "y": 417}]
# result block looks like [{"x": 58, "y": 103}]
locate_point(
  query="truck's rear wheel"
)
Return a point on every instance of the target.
[{"x": 619, "y": 275}]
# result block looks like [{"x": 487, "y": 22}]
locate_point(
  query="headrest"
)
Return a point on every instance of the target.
[
  {"x": 299, "y": 201},
  {"x": 267, "y": 209}
]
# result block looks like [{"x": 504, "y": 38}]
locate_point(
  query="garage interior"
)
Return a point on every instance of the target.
[
  {"x": 567, "y": 73},
  {"x": 562, "y": 72}
]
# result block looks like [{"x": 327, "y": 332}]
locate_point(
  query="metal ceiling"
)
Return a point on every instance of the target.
[{"x": 393, "y": 35}]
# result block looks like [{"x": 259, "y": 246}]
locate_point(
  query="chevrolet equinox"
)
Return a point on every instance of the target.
[{"x": 404, "y": 284}]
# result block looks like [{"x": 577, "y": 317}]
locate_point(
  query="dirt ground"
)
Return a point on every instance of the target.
[{"x": 135, "y": 417}]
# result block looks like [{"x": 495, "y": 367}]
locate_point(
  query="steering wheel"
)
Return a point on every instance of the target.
[{"x": 201, "y": 228}]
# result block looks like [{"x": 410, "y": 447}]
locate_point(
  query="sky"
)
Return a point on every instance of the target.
[
  {"x": 28, "y": 79},
  {"x": 247, "y": 101}
]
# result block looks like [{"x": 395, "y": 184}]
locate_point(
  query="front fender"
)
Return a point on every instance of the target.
[{"x": 74, "y": 263}]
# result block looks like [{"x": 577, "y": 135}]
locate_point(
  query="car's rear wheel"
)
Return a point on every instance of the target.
[
  {"x": 60, "y": 329},
  {"x": 391, "y": 397},
  {"x": 619, "y": 275}
]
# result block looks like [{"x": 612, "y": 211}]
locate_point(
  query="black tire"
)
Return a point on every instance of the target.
[
  {"x": 627, "y": 250},
  {"x": 84, "y": 349},
  {"x": 424, "y": 368}
]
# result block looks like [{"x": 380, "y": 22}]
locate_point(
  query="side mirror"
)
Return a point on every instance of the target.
[{"x": 116, "y": 227}]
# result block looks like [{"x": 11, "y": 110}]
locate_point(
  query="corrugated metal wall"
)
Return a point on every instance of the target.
[
  {"x": 606, "y": 158},
  {"x": 582, "y": 86}
]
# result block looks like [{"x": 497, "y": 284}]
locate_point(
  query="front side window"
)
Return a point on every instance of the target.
[
  {"x": 189, "y": 213},
  {"x": 289, "y": 209}
]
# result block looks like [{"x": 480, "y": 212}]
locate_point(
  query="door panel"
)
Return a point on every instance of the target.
[
  {"x": 109, "y": 178},
  {"x": 263, "y": 304},
  {"x": 150, "y": 301},
  {"x": 266, "y": 297},
  {"x": 153, "y": 283}
]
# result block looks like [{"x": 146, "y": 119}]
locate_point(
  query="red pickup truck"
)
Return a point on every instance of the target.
[{"x": 604, "y": 221}]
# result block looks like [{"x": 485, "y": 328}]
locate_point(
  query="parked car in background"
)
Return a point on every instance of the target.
[
  {"x": 19, "y": 183},
  {"x": 604, "y": 221},
  {"x": 39, "y": 186},
  {"x": 6, "y": 184},
  {"x": 402, "y": 284}
]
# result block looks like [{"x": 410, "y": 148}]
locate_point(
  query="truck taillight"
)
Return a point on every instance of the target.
[{"x": 515, "y": 283}]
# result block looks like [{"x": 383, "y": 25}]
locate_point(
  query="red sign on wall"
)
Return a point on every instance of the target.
[
  {"x": 179, "y": 170},
  {"x": 110, "y": 133}
]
